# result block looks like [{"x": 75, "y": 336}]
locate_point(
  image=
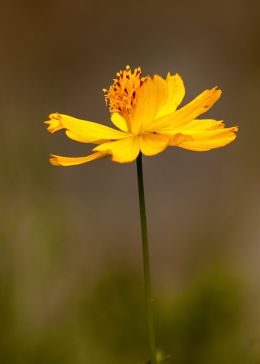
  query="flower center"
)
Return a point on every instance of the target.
[{"x": 123, "y": 94}]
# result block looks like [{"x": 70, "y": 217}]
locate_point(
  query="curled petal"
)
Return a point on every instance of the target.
[
  {"x": 53, "y": 123},
  {"x": 82, "y": 130},
  {"x": 57, "y": 160}
]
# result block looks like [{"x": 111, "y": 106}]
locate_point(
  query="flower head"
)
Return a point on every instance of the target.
[{"x": 145, "y": 112}]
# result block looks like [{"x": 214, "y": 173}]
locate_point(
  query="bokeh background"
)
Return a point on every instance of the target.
[{"x": 71, "y": 285}]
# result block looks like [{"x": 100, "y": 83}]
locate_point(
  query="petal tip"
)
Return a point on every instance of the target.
[
  {"x": 54, "y": 123},
  {"x": 217, "y": 90},
  {"x": 54, "y": 160}
]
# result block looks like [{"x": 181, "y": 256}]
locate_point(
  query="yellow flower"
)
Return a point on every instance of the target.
[{"x": 144, "y": 110}]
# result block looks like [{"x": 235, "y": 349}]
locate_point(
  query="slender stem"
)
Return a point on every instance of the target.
[{"x": 146, "y": 261}]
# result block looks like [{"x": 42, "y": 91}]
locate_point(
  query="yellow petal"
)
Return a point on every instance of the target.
[
  {"x": 172, "y": 122},
  {"x": 81, "y": 139},
  {"x": 119, "y": 122},
  {"x": 153, "y": 95},
  {"x": 57, "y": 160},
  {"x": 177, "y": 139},
  {"x": 203, "y": 124},
  {"x": 176, "y": 93},
  {"x": 152, "y": 144},
  {"x": 82, "y": 130},
  {"x": 122, "y": 151},
  {"x": 201, "y": 141},
  {"x": 54, "y": 123}
]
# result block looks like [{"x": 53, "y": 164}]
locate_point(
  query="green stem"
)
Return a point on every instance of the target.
[{"x": 146, "y": 261}]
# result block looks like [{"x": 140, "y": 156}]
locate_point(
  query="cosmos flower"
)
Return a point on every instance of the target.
[{"x": 145, "y": 112}]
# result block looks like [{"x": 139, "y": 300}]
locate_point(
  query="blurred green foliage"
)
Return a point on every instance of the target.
[{"x": 202, "y": 324}]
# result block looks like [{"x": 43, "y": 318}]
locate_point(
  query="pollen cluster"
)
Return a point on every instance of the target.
[{"x": 123, "y": 94}]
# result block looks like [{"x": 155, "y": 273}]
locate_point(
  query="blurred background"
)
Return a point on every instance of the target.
[{"x": 71, "y": 283}]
